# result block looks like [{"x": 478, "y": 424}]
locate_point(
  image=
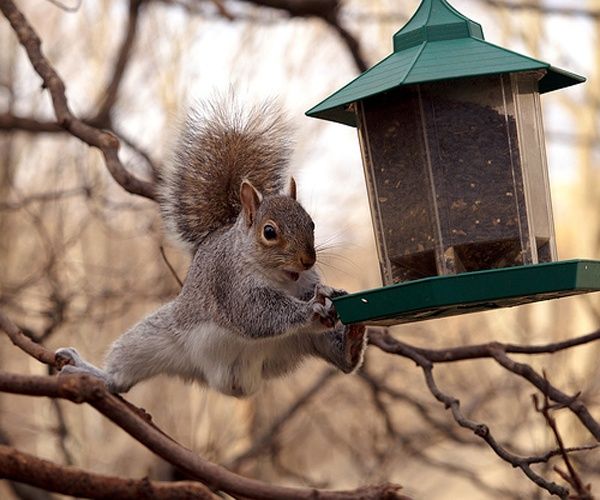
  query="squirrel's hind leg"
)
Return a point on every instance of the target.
[
  {"x": 344, "y": 346},
  {"x": 78, "y": 365}
]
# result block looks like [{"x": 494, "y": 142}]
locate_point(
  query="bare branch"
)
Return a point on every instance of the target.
[
  {"x": 68, "y": 480},
  {"x": 83, "y": 389},
  {"x": 479, "y": 351},
  {"x": 12, "y": 122},
  {"x": 498, "y": 351},
  {"x": 24, "y": 343},
  {"x": 573, "y": 477},
  {"x": 425, "y": 359},
  {"x": 573, "y": 403},
  {"x": 32, "y": 125},
  {"x": 107, "y": 142}
]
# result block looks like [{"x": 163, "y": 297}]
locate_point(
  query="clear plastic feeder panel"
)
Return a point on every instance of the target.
[
  {"x": 533, "y": 158},
  {"x": 399, "y": 186},
  {"x": 457, "y": 177},
  {"x": 473, "y": 155}
]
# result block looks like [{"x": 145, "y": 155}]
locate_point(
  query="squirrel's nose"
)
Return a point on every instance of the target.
[{"x": 308, "y": 259}]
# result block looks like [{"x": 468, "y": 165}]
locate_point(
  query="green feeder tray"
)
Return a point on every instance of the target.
[{"x": 444, "y": 296}]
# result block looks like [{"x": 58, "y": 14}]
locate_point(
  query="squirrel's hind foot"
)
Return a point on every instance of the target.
[
  {"x": 73, "y": 363},
  {"x": 344, "y": 347},
  {"x": 356, "y": 343}
]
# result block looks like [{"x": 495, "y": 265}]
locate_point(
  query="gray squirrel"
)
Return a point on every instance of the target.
[{"x": 252, "y": 306}]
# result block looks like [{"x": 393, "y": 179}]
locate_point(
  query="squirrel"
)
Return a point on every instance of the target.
[{"x": 252, "y": 306}]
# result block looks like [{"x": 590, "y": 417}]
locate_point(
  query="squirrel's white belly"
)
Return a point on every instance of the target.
[{"x": 224, "y": 360}]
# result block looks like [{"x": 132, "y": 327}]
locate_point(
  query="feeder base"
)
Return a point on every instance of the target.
[{"x": 443, "y": 296}]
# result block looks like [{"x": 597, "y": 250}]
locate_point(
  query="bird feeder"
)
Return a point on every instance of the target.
[{"x": 452, "y": 140}]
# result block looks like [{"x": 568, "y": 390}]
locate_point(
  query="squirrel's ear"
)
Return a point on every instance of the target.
[
  {"x": 292, "y": 189},
  {"x": 250, "y": 198}
]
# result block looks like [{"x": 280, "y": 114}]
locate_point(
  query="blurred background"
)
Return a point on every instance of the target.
[{"x": 80, "y": 259}]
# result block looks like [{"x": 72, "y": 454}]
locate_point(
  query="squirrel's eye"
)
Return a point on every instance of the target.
[
  {"x": 312, "y": 225},
  {"x": 269, "y": 232}
]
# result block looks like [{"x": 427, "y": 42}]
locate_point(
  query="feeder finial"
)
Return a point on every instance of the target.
[{"x": 435, "y": 20}]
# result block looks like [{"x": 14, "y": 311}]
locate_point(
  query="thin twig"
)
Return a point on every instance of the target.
[{"x": 173, "y": 272}]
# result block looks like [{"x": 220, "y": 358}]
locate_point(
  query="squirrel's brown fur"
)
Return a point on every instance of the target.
[{"x": 219, "y": 146}]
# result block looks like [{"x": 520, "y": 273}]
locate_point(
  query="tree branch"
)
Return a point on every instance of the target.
[
  {"x": 12, "y": 122},
  {"x": 68, "y": 480},
  {"x": 9, "y": 121},
  {"x": 529, "y": 374},
  {"x": 107, "y": 142},
  {"x": 83, "y": 389},
  {"x": 391, "y": 345},
  {"x": 426, "y": 358},
  {"x": 572, "y": 477},
  {"x": 24, "y": 343}
]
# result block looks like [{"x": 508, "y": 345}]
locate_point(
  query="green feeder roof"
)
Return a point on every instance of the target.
[{"x": 437, "y": 43}]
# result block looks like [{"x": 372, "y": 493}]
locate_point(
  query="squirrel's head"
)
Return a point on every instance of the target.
[{"x": 283, "y": 233}]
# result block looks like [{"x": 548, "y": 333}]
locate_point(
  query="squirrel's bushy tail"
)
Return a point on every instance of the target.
[{"x": 220, "y": 145}]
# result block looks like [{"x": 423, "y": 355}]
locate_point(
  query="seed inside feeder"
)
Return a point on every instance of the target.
[{"x": 444, "y": 163}]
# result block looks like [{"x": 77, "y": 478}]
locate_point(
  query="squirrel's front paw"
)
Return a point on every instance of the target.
[
  {"x": 323, "y": 309},
  {"x": 329, "y": 292}
]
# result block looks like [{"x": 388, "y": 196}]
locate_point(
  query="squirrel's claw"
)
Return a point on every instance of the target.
[
  {"x": 323, "y": 308},
  {"x": 329, "y": 292},
  {"x": 68, "y": 356},
  {"x": 324, "y": 315}
]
